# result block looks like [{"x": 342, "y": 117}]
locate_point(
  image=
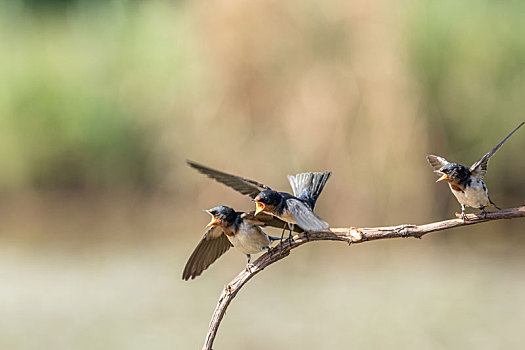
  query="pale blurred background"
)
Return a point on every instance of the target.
[{"x": 101, "y": 102}]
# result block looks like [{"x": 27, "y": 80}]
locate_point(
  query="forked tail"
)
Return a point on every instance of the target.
[
  {"x": 309, "y": 185},
  {"x": 494, "y": 204}
]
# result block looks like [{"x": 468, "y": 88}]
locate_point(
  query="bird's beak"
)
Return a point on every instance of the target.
[
  {"x": 259, "y": 207},
  {"x": 443, "y": 178},
  {"x": 214, "y": 222}
]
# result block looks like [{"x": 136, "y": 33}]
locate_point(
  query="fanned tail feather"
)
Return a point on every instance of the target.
[{"x": 309, "y": 185}]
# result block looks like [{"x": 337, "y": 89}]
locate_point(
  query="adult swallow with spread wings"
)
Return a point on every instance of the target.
[
  {"x": 229, "y": 228},
  {"x": 293, "y": 209},
  {"x": 467, "y": 183}
]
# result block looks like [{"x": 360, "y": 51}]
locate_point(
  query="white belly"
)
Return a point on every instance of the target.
[
  {"x": 250, "y": 239},
  {"x": 475, "y": 196}
]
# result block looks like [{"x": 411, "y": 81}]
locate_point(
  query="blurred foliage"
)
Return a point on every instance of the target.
[
  {"x": 90, "y": 93},
  {"x": 470, "y": 59},
  {"x": 79, "y": 90}
]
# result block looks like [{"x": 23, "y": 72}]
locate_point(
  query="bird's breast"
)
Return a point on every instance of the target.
[
  {"x": 249, "y": 239},
  {"x": 474, "y": 195},
  {"x": 287, "y": 216}
]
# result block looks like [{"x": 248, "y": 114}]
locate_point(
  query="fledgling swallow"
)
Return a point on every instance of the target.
[
  {"x": 467, "y": 183},
  {"x": 293, "y": 209},
  {"x": 229, "y": 228}
]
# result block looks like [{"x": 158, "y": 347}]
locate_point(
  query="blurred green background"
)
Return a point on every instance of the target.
[{"x": 101, "y": 102}]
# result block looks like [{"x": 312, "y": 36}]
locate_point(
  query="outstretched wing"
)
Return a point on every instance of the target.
[
  {"x": 479, "y": 169},
  {"x": 263, "y": 219},
  {"x": 245, "y": 186},
  {"x": 305, "y": 217},
  {"x": 210, "y": 248},
  {"x": 436, "y": 162}
]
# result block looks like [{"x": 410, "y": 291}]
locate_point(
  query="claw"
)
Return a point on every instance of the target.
[
  {"x": 463, "y": 215},
  {"x": 249, "y": 267}
]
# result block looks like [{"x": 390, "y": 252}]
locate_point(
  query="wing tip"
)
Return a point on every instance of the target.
[
  {"x": 189, "y": 276},
  {"x": 186, "y": 274},
  {"x": 325, "y": 226},
  {"x": 315, "y": 228},
  {"x": 193, "y": 164}
]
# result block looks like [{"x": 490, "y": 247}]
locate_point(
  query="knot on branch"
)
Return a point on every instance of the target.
[{"x": 405, "y": 231}]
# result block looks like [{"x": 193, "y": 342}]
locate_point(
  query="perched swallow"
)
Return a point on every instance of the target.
[
  {"x": 293, "y": 209},
  {"x": 229, "y": 228},
  {"x": 467, "y": 183}
]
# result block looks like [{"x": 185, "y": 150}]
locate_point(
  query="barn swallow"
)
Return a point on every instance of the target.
[
  {"x": 467, "y": 183},
  {"x": 293, "y": 209},
  {"x": 229, "y": 228}
]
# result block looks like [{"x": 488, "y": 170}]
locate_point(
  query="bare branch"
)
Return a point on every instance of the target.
[{"x": 350, "y": 235}]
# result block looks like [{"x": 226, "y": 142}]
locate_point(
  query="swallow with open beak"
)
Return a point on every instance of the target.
[
  {"x": 293, "y": 209},
  {"x": 229, "y": 228},
  {"x": 467, "y": 183}
]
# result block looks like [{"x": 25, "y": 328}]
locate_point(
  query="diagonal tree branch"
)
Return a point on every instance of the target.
[{"x": 350, "y": 235}]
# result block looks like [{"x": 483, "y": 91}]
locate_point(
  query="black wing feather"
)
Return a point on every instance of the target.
[
  {"x": 479, "y": 169},
  {"x": 436, "y": 162},
  {"x": 210, "y": 248},
  {"x": 245, "y": 186}
]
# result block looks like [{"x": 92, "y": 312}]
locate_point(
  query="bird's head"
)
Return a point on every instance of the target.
[
  {"x": 267, "y": 201},
  {"x": 453, "y": 173},
  {"x": 221, "y": 216}
]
